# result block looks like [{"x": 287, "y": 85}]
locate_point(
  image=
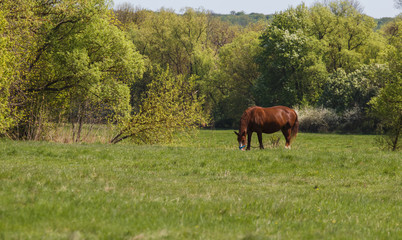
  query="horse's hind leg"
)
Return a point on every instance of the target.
[
  {"x": 259, "y": 134},
  {"x": 287, "y": 133}
]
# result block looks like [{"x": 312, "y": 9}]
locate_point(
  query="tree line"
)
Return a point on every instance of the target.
[{"x": 149, "y": 74}]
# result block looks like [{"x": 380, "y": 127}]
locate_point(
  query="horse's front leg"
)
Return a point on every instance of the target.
[
  {"x": 249, "y": 139},
  {"x": 259, "y": 134}
]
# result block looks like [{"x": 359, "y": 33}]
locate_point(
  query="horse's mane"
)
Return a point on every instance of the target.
[{"x": 245, "y": 118}]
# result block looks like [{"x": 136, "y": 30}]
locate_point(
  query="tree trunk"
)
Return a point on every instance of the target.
[
  {"x": 397, "y": 133},
  {"x": 79, "y": 124}
]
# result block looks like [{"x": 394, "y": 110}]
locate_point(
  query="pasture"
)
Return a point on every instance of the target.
[{"x": 327, "y": 186}]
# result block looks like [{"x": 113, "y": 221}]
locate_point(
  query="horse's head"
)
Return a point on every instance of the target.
[{"x": 241, "y": 138}]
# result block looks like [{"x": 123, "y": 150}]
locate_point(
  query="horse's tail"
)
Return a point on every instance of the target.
[{"x": 295, "y": 128}]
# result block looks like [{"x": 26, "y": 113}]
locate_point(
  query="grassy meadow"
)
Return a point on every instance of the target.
[{"x": 201, "y": 187}]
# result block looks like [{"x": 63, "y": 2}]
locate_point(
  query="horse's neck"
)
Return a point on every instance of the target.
[{"x": 243, "y": 126}]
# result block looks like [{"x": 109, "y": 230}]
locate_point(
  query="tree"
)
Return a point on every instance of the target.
[
  {"x": 220, "y": 33},
  {"x": 303, "y": 45},
  {"x": 129, "y": 15},
  {"x": 173, "y": 40},
  {"x": 101, "y": 65},
  {"x": 344, "y": 91},
  {"x": 181, "y": 43},
  {"x": 322, "y": 20},
  {"x": 351, "y": 31},
  {"x": 6, "y": 121},
  {"x": 75, "y": 59},
  {"x": 387, "y": 106},
  {"x": 232, "y": 82},
  {"x": 169, "y": 104},
  {"x": 292, "y": 70}
]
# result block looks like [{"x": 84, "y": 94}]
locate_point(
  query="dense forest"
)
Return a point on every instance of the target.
[{"x": 148, "y": 74}]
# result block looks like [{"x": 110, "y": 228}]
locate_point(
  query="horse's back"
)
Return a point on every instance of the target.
[
  {"x": 287, "y": 112},
  {"x": 272, "y": 112},
  {"x": 271, "y": 119}
]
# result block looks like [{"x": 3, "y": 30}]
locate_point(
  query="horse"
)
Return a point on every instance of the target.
[{"x": 267, "y": 120}]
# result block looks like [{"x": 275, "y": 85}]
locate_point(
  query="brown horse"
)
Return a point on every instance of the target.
[{"x": 267, "y": 120}]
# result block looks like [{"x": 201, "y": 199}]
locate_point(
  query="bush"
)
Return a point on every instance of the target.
[
  {"x": 354, "y": 120},
  {"x": 170, "y": 104},
  {"x": 320, "y": 119},
  {"x": 317, "y": 119}
]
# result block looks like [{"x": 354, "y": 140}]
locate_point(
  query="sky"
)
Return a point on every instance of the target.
[{"x": 373, "y": 8}]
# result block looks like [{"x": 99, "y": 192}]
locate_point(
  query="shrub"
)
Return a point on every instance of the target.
[
  {"x": 274, "y": 141},
  {"x": 321, "y": 119},
  {"x": 170, "y": 104},
  {"x": 351, "y": 120},
  {"x": 317, "y": 119}
]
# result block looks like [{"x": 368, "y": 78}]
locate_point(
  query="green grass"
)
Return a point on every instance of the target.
[{"x": 202, "y": 187}]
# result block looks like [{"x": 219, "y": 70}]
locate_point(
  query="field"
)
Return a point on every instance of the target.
[{"x": 201, "y": 187}]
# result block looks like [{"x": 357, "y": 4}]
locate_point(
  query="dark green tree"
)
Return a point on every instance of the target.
[
  {"x": 292, "y": 70},
  {"x": 232, "y": 83},
  {"x": 342, "y": 91}
]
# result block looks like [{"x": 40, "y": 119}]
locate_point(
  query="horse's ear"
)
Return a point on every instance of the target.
[{"x": 236, "y": 133}]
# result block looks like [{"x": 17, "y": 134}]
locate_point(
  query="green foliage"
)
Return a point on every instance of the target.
[
  {"x": 382, "y": 21},
  {"x": 5, "y": 77},
  {"x": 170, "y": 104},
  {"x": 17, "y": 44},
  {"x": 321, "y": 55},
  {"x": 292, "y": 71},
  {"x": 232, "y": 83},
  {"x": 174, "y": 41},
  {"x": 350, "y": 34},
  {"x": 101, "y": 63},
  {"x": 189, "y": 44},
  {"x": 387, "y": 106},
  {"x": 322, "y": 20},
  {"x": 344, "y": 91},
  {"x": 182, "y": 43},
  {"x": 78, "y": 67},
  {"x": 242, "y": 19},
  {"x": 292, "y": 19}
]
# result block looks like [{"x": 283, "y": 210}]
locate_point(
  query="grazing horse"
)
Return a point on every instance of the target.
[{"x": 267, "y": 120}]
